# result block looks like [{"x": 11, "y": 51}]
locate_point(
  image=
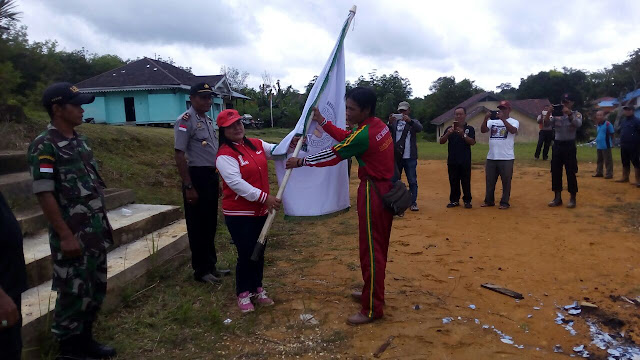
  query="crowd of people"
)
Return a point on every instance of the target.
[
  {"x": 559, "y": 129},
  {"x": 69, "y": 188}
]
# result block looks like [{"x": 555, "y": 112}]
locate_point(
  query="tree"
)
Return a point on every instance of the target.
[
  {"x": 8, "y": 13},
  {"x": 105, "y": 63},
  {"x": 390, "y": 89},
  {"x": 237, "y": 79}
]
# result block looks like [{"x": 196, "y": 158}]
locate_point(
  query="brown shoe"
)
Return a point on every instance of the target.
[
  {"x": 357, "y": 295},
  {"x": 358, "y": 319}
]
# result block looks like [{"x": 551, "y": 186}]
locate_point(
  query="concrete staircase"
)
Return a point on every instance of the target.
[{"x": 145, "y": 236}]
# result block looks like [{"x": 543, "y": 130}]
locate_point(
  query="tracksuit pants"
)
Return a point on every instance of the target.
[
  {"x": 202, "y": 220},
  {"x": 564, "y": 154},
  {"x": 374, "y": 224}
]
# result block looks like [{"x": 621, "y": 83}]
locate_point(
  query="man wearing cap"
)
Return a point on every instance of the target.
[
  {"x": 564, "y": 150},
  {"x": 70, "y": 192},
  {"x": 629, "y": 144},
  {"x": 502, "y": 134},
  {"x": 196, "y": 147},
  {"x": 404, "y": 130}
]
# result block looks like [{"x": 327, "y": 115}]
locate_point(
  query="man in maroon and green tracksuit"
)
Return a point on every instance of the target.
[{"x": 372, "y": 145}]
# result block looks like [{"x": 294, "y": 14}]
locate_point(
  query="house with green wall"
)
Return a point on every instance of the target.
[{"x": 149, "y": 92}]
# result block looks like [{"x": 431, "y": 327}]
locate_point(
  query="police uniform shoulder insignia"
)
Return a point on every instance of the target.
[{"x": 206, "y": 86}]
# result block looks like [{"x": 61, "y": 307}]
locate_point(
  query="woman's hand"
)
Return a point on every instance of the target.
[
  {"x": 293, "y": 163},
  {"x": 272, "y": 203}
]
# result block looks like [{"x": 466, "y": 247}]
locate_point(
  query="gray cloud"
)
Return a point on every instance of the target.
[
  {"x": 491, "y": 41},
  {"x": 206, "y": 23}
]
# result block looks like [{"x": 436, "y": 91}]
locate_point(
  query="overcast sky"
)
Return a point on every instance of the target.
[{"x": 488, "y": 41}]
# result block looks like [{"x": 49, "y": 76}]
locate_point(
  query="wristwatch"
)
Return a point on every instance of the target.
[{"x": 187, "y": 186}]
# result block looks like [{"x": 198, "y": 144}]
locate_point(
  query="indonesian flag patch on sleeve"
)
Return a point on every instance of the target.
[
  {"x": 182, "y": 127},
  {"x": 46, "y": 168}
]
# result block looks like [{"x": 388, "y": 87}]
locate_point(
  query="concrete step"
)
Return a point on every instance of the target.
[
  {"x": 144, "y": 220},
  {"x": 125, "y": 264},
  {"x": 32, "y": 220},
  {"x": 13, "y": 162},
  {"x": 16, "y": 188}
]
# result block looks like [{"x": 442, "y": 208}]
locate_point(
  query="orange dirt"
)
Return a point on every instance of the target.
[{"x": 439, "y": 257}]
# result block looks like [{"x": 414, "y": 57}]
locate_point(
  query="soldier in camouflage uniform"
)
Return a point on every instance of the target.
[{"x": 70, "y": 191}]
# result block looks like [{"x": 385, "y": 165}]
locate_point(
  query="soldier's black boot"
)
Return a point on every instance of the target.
[
  {"x": 94, "y": 349},
  {"x": 572, "y": 201},
  {"x": 72, "y": 348},
  {"x": 557, "y": 201}
]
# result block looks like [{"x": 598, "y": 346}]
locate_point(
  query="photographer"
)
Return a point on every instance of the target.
[
  {"x": 461, "y": 136},
  {"x": 403, "y": 131},
  {"x": 545, "y": 136},
  {"x": 502, "y": 131},
  {"x": 566, "y": 123}
]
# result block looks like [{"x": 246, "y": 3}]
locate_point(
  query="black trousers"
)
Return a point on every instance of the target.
[
  {"x": 544, "y": 137},
  {"x": 564, "y": 154},
  {"x": 630, "y": 155},
  {"x": 202, "y": 220},
  {"x": 460, "y": 175},
  {"x": 245, "y": 231},
  {"x": 11, "y": 338}
]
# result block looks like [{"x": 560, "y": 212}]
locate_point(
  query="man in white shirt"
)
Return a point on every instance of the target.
[{"x": 502, "y": 133}]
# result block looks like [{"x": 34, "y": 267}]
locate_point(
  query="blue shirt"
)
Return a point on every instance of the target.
[{"x": 604, "y": 131}]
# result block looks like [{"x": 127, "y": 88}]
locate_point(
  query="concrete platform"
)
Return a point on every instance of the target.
[
  {"x": 32, "y": 220},
  {"x": 16, "y": 187},
  {"x": 144, "y": 220},
  {"x": 125, "y": 264},
  {"x": 13, "y": 162}
]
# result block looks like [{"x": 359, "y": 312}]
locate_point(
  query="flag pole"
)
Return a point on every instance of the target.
[{"x": 259, "y": 248}]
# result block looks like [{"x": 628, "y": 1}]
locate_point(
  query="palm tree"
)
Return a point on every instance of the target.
[{"x": 8, "y": 12}]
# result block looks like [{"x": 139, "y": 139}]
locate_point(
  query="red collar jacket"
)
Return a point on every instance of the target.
[{"x": 245, "y": 178}]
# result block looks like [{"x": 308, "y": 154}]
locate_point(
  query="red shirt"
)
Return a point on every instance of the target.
[{"x": 371, "y": 144}]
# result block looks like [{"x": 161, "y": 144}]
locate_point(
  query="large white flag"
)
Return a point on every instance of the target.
[{"x": 319, "y": 191}]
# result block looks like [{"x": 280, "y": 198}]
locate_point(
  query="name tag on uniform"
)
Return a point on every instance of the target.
[{"x": 182, "y": 127}]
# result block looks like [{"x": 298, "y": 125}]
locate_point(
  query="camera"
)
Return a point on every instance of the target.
[
  {"x": 557, "y": 110},
  {"x": 493, "y": 115},
  {"x": 397, "y": 116}
]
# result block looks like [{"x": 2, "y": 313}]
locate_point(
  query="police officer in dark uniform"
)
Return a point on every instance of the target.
[
  {"x": 564, "y": 150},
  {"x": 196, "y": 147}
]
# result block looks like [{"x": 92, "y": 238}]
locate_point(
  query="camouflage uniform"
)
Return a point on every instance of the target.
[{"x": 66, "y": 168}]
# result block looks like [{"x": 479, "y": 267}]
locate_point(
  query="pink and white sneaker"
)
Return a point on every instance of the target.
[
  {"x": 244, "y": 302},
  {"x": 262, "y": 298}
]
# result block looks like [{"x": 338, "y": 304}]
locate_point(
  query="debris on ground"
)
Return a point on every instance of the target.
[
  {"x": 503, "y": 291},
  {"x": 308, "y": 319},
  {"x": 447, "y": 320},
  {"x": 383, "y": 347},
  {"x": 227, "y": 322}
]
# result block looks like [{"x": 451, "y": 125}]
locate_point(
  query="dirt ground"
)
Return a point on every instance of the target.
[{"x": 438, "y": 259}]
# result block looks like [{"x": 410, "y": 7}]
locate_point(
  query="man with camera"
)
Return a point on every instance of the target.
[
  {"x": 545, "y": 136},
  {"x": 629, "y": 144},
  {"x": 403, "y": 131},
  {"x": 461, "y": 136},
  {"x": 565, "y": 122},
  {"x": 502, "y": 131}
]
